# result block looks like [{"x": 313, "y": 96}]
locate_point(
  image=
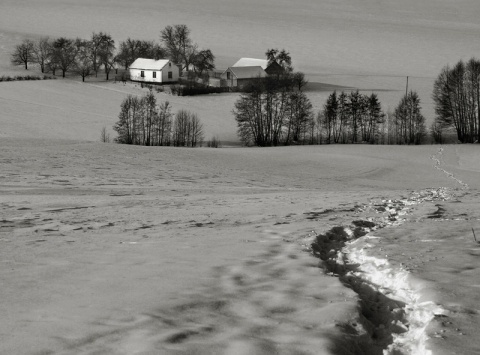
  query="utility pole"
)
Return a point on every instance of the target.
[{"x": 406, "y": 90}]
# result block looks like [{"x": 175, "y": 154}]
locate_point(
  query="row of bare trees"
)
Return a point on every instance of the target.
[
  {"x": 355, "y": 118},
  {"x": 83, "y": 57},
  {"x": 351, "y": 118},
  {"x": 274, "y": 113},
  {"x": 144, "y": 122},
  {"x": 86, "y": 57},
  {"x": 456, "y": 94}
]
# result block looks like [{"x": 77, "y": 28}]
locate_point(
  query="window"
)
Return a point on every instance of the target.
[
  {"x": 228, "y": 75},
  {"x": 170, "y": 75},
  {"x": 169, "y": 64},
  {"x": 154, "y": 74},
  {"x": 142, "y": 74}
]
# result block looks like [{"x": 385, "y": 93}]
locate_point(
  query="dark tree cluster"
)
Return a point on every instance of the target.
[
  {"x": 357, "y": 118},
  {"x": 132, "y": 49},
  {"x": 456, "y": 94},
  {"x": 273, "y": 112},
  {"x": 408, "y": 121},
  {"x": 351, "y": 118},
  {"x": 142, "y": 121},
  {"x": 82, "y": 57}
]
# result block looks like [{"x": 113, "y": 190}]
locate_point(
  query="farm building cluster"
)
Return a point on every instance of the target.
[{"x": 239, "y": 75}]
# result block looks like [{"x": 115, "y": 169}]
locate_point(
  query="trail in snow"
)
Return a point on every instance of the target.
[
  {"x": 396, "y": 317},
  {"x": 439, "y": 162}
]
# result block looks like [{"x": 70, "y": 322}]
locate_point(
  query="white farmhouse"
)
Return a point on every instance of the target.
[{"x": 154, "y": 71}]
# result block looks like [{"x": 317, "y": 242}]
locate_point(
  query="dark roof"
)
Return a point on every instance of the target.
[
  {"x": 274, "y": 68},
  {"x": 248, "y": 72}
]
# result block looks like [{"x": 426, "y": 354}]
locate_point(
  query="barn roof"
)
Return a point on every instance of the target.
[
  {"x": 149, "y": 64},
  {"x": 251, "y": 62},
  {"x": 248, "y": 72}
]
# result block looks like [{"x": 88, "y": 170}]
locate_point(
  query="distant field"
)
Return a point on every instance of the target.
[
  {"x": 67, "y": 109},
  {"x": 370, "y": 45}
]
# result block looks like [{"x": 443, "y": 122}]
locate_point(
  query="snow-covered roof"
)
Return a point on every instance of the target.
[
  {"x": 248, "y": 72},
  {"x": 149, "y": 64},
  {"x": 251, "y": 62}
]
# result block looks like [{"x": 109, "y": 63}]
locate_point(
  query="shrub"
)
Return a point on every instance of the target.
[
  {"x": 25, "y": 77},
  {"x": 176, "y": 90}
]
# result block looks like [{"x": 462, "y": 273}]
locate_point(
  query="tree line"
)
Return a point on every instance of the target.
[
  {"x": 86, "y": 57},
  {"x": 276, "y": 111},
  {"x": 359, "y": 118},
  {"x": 142, "y": 121}
]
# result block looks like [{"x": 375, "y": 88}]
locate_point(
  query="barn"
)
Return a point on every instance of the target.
[
  {"x": 154, "y": 71},
  {"x": 241, "y": 76}
]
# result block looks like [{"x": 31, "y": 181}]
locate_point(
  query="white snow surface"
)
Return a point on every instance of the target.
[{"x": 396, "y": 284}]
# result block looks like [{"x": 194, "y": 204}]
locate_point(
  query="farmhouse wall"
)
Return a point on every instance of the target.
[{"x": 156, "y": 75}]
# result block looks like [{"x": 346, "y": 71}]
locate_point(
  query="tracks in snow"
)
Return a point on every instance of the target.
[
  {"x": 439, "y": 162},
  {"x": 391, "y": 310}
]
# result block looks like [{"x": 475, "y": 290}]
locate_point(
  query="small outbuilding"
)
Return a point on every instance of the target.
[{"x": 154, "y": 71}]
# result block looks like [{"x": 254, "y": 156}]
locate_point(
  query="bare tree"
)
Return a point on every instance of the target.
[
  {"x": 23, "y": 53},
  {"x": 42, "y": 52},
  {"x": 330, "y": 118},
  {"x": 456, "y": 94},
  {"x": 299, "y": 120},
  {"x": 131, "y": 49},
  {"x": 163, "y": 124},
  {"x": 64, "y": 54},
  {"x": 299, "y": 80},
  {"x": 187, "y": 130},
  {"x": 101, "y": 45},
  {"x": 409, "y": 120},
  {"x": 106, "y": 54},
  {"x": 128, "y": 123},
  {"x": 272, "y": 113},
  {"x": 83, "y": 60},
  {"x": 179, "y": 45},
  {"x": 104, "y": 135}
]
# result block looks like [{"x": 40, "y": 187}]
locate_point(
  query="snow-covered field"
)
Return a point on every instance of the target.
[
  {"x": 109, "y": 249},
  {"x": 117, "y": 249}
]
